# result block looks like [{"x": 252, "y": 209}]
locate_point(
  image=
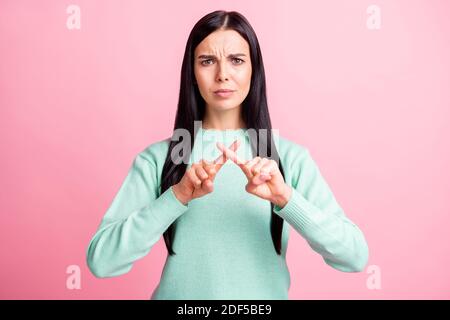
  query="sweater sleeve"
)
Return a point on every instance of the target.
[
  {"x": 133, "y": 223},
  {"x": 313, "y": 211}
]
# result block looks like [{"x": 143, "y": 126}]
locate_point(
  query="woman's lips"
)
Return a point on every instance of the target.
[{"x": 224, "y": 93}]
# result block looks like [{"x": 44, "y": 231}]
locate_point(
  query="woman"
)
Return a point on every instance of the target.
[{"x": 226, "y": 202}]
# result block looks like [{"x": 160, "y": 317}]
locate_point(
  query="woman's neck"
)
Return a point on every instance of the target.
[{"x": 227, "y": 120}]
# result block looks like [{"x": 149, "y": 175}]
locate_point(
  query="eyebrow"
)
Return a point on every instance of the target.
[{"x": 209, "y": 56}]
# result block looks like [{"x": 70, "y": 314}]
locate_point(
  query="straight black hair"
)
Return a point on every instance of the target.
[{"x": 191, "y": 107}]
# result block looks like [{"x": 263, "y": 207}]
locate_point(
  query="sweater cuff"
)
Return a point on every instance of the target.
[
  {"x": 172, "y": 197},
  {"x": 171, "y": 207},
  {"x": 298, "y": 211}
]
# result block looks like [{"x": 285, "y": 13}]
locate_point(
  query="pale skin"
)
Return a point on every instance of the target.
[{"x": 223, "y": 62}]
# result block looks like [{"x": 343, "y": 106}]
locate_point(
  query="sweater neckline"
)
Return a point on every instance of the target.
[
  {"x": 225, "y": 136},
  {"x": 222, "y": 133}
]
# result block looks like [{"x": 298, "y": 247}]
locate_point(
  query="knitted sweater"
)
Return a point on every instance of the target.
[{"x": 222, "y": 242}]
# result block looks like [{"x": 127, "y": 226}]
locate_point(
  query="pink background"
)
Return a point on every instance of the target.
[{"x": 372, "y": 106}]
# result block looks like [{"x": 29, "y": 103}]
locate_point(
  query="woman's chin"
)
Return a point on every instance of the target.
[{"x": 224, "y": 106}]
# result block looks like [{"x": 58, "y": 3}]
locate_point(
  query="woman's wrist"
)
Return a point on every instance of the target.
[
  {"x": 179, "y": 195},
  {"x": 284, "y": 197}
]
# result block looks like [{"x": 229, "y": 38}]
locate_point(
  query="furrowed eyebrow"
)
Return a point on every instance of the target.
[{"x": 209, "y": 56}]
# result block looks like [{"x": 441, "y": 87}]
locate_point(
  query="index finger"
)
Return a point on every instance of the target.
[
  {"x": 241, "y": 163},
  {"x": 230, "y": 153},
  {"x": 222, "y": 158}
]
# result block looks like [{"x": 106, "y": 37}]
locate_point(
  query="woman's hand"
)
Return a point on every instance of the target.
[
  {"x": 198, "y": 180},
  {"x": 264, "y": 177}
]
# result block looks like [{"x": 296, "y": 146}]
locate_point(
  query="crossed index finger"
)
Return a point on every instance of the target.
[
  {"x": 230, "y": 153},
  {"x": 234, "y": 157},
  {"x": 223, "y": 158}
]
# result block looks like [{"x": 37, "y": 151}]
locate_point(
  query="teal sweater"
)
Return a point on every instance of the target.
[{"x": 223, "y": 243}]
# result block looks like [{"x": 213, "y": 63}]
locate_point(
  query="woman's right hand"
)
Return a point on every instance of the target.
[{"x": 199, "y": 177}]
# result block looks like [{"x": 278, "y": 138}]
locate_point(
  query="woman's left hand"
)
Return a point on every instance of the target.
[{"x": 264, "y": 177}]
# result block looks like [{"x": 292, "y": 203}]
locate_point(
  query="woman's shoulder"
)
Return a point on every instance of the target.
[
  {"x": 155, "y": 152},
  {"x": 298, "y": 163},
  {"x": 289, "y": 149}
]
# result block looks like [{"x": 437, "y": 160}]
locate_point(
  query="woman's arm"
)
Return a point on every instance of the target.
[
  {"x": 314, "y": 212},
  {"x": 134, "y": 222}
]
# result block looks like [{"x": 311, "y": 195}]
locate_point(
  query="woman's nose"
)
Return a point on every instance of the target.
[{"x": 222, "y": 73}]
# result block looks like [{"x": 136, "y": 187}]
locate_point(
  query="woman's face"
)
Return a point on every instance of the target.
[{"x": 222, "y": 61}]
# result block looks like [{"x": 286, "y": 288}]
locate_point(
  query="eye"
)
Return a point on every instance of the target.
[
  {"x": 241, "y": 61},
  {"x": 205, "y": 61}
]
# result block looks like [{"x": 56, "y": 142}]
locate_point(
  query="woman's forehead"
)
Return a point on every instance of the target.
[{"x": 223, "y": 42}]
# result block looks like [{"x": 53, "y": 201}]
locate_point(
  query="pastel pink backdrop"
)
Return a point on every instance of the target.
[{"x": 371, "y": 105}]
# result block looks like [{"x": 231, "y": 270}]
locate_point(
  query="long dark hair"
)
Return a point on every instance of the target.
[{"x": 191, "y": 107}]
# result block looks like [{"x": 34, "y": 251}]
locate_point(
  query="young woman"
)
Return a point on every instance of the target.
[{"x": 226, "y": 202}]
